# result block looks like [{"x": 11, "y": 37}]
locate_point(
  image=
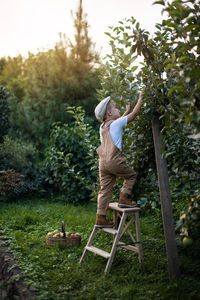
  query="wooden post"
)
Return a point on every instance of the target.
[{"x": 166, "y": 203}]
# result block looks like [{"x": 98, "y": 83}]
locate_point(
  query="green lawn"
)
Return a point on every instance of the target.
[{"x": 55, "y": 273}]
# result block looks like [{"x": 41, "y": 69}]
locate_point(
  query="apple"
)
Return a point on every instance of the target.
[
  {"x": 72, "y": 235},
  {"x": 50, "y": 233},
  {"x": 187, "y": 241},
  {"x": 57, "y": 234}
]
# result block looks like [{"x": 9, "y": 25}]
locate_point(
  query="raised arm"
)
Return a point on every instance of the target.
[
  {"x": 136, "y": 109},
  {"x": 128, "y": 108}
]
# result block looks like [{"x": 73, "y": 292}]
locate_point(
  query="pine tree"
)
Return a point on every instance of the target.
[{"x": 82, "y": 50}]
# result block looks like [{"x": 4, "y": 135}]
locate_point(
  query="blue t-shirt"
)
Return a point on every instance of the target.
[{"x": 116, "y": 131}]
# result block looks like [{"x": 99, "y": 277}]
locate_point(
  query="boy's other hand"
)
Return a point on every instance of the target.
[{"x": 128, "y": 107}]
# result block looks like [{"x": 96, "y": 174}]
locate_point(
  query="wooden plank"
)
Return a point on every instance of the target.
[
  {"x": 110, "y": 230},
  {"x": 114, "y": 206},
  {"x": 166, "y": 205},
  {"x": 129, "y": 247},
  {"x": 98, "y": 251},
  {"x": 115, "y": 243},
  {"x": 127, "y": 226},
  {"x": 91, "y": 238},
  {"x": 138, "y": 237},
  {"x": 132, "y": 237}
]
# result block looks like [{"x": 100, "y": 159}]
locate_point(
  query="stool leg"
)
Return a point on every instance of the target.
[
  {"x": 138, "y": 237},
  {"x": 91, "y": 238},
  {"x": 114, "y": 246},
  {"x": 115, "y": 219}
]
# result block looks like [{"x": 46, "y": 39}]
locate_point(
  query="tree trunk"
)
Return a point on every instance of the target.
[{"x": 166, "y": 204}]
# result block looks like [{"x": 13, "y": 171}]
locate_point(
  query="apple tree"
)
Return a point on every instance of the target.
[{"x": 121, "y": 81}]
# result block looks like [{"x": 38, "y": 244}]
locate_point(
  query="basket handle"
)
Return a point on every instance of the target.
[{"x": 63, "y": 229}]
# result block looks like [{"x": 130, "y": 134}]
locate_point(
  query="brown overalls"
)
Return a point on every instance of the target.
[{"x": 112, "y": 164}]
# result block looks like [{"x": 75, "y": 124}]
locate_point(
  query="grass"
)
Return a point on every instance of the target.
[{"x": 55, "y": 273}]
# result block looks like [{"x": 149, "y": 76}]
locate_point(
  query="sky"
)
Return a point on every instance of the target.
[{"x": 34, "y": 25}]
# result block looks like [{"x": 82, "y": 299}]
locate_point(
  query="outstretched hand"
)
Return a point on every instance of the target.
[{"x": 142, "y": 92}]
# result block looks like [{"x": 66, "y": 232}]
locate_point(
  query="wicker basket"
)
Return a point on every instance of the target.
[{"x": 64, "y": 241}]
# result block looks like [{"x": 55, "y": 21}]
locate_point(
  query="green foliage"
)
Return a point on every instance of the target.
[
  {"x": 55, "y": 273},
  {"x": 183, "y": 157},
  {"x": 69, "y": 158},
  {"x": 17, "y": 154},
  {"x": 4, "y": 113},
  {"x": 82, "y": 50},
  {"x": 42, "y": 84},
  {"x": 22, "y": 158},
  {"x": 9, "y": 182},
  {"x": 13, "y": 185},
  {"x": 189, "y": 224},
  {"x": 183, "y": 25},
  {"x": 11, "y": 75},
  {"x": 121, "y": 81},
  {"x": 49, "y": 81}
]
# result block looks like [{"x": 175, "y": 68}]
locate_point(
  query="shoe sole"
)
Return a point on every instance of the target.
[{"x": 126, "y": 205}]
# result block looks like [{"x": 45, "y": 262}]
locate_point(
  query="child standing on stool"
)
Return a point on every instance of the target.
[{"x": 112, "y": 163}]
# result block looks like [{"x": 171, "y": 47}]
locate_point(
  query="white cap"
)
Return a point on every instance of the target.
[{"x": 100, "y": 109}]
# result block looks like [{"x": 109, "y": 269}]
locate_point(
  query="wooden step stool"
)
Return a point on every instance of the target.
[{"x": 118, "y": 232}]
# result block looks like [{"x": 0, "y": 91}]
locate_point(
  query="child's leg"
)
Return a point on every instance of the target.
[
  {"x": 106, "y": 181},
  {"x": 129, "y": 176}
]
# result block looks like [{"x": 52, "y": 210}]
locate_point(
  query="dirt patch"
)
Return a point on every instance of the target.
[{"x": 12, "y": 285}]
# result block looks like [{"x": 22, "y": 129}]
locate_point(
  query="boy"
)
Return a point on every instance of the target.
[{"x": 112, "y": 163}]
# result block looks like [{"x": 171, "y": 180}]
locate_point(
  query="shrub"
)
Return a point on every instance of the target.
[
  {"x": 17, "y": 155},
  {"x": 4, "y": 112},
  {"x": 10, "y": 183},
  {"x": 70, "y": 157},
  {"x": 23, "y": 159}
]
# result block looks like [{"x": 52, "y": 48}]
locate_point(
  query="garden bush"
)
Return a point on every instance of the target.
[
  {"x": 19, "y": 159},
  {"x": 12, "y": 184},
  {"x": 17, "y": 154},
  {"x": 70, "y": 157}
]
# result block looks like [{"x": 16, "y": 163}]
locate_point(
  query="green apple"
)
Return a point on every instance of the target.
[
  {"x": 57, "y": 234},
  {"x": 50, "y": 233},
  {"x": 187, "y": 241}
]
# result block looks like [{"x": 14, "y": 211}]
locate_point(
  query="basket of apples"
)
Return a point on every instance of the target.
[{"x": 63, "y": 238}]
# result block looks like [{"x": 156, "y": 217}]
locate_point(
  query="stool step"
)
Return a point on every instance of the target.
[
  {"x": 98, "y": 251},
  {"x": 110, "y": 230}
]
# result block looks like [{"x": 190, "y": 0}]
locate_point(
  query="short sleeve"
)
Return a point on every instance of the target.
[{"x": 116, "y": 131}]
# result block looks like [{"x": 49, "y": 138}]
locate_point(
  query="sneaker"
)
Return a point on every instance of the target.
[
  {"x": 124, "y": 201},
  {"x": 101, "y": 221}
]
